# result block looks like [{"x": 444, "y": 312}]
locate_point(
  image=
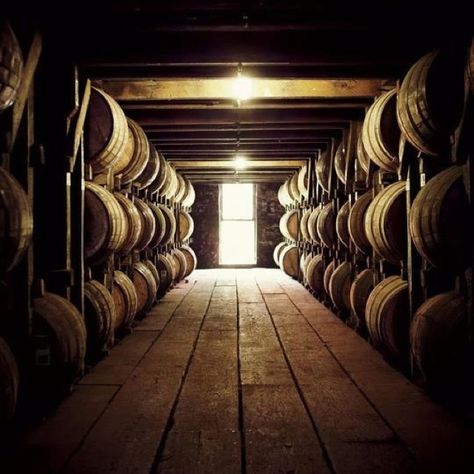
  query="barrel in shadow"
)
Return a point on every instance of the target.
[
  {"x": 323, "y": 170},
  {"x": 148, "y": 224},
  {"x": 170, "y": 224},
  {"x": 315, "y": 274},
  {"x": 145, "y": 286},
  {"x": 361, "y": 288},
  {"x": 125, "y": 299},
  {"x": 191, "y": 260},
  {"x": 342, "y": 224},
  {"x": 340, "y": 162},
  {"x": 356, "y": 222},
  {"x": 136, "y": 154},
  {"x": 160, "y": 226},
  {"x": 326, "y": 225},
  {"x": 327, "y": 277},
  {"x": 289, "y": 260},
  {"x": 132, "y": 225},
  {"x": 340, "y": 286},
  {"x": 165, "y": 270}
]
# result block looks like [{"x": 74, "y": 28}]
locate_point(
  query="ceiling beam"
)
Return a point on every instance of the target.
[{"x": 250, "y": 164}]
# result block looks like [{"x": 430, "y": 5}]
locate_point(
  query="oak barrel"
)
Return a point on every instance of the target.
[
  {"x": 313, "y": 225},
  {"x": 105, "y": 224},
  {"x": 181, "y": 259},
  {"x": 361, "y": 288},
  {"x": 165, "y": 271},
  {"x": 342, "y": 224},
  {"x": 145, "y": 285},
  {"x": 327, "y": 276},
  {"x": 340, "y": 162},
  {"x": 170, "y": 224},
  {"x": 132, "y": 224},
  {"x": 16, "y": 221},
  {"x": 385, "y": 223},
  {"x": 125, "y": 300},
  {"x": 294, "y": 187},
  {"x": 190, "y": 196},
  {"x": 9, "y": 381},
  {"x": 150, "y": 172},
  {"x": 304, "y": 262},
  {"x": 289, "y": 223},
  {"x": 439, "y": 219},
  {"x": 304, "y": 225},
  {"x": 182, "y": 188},
  {"x": 160, "y": 226},
  {"x": 387, "y": 316},
  {"x": 362, "y": 156},
  {"x": 288, "y": 260},
  {"x": 356, "y": 222},
  {"x": 340, "y": 286},
  {"x": 191, "y": 260},
  {"x": 148, "y": 222},
  {"x": 430, "y": 101},
  {"x": 11, "y": 65},
  {"x": 154, "y": 271},
  {"x": 160, "y": 178},
  {"x": 322, "y": 170},
  {"x": 381, "y": 133},
  {"x": 136, "y": 154},
  {"x": 186, "y": 225},
  {"x": 284, "y": 196},
  {"x": 277, "y": 251},
  {"x": 326, "y": 225},
  {"x": 315, "y": 274},
  {"x": 303, "y": 181}
]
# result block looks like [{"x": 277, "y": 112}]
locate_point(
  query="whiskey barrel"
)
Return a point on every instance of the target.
[
  {"x": 160, "y": 226},
  {"x": 105, "y": 224},
  {"x": 160, "y": 178},
  {"x": 439, "y": 219},
  {"x": 356, "y": 222},
  {"x": 175, "y": 265},
  {"x": 340, "y": 286},
  {"x": 11, "y": 65},
  {"x": 170, "y": 226},
  {"x": 294, "y": 187},
  {"x": 150, "y": 172},
  {"x": 191, "y": 260},
  {"x": 362, "y": 156},
  {"x": 9, "y": 382},
  {"x": 16, "y": 221},
  {"x": 304, "y": 225},
  {"x": 289, "y": 224},
  {"x": 99, "y": 316},
  {"x": 181, "y": 259},
  {"x": 430, "y": 101},
  {"x": 132, "y": 224},
  {"x": 387, "y": 316},
  {"x": 322, "y": 170},
  {"x": 145, "y": 287},
  {"x": 106, "y": 133},
  {"x": 60, "y": 330},
  {"x": 342, "y": 224},
  {"x": 125, "y": 300},
  {"x": 148, "y": 222},
  {"x": 385, "y": 223},
  {"x": 190, "y": 196},
  {"x": 276, "y": 253},
  {"x": 439, "y": 340},
  {"x": 304, "y": 262},
  {"x": 361, "y": 288},
  {"x": 169, "y": 186},
  {"x": 313, "y": 225},
  {"x": 327, "y": 277},
  {"x": 136, "y": 154},
  {"x": 182, "y": 189},
  {"x": 303, "y": 181},
  {"x": 284, "y": 196},
  {"x": 340, "y": 162},
  {"x": 326, "y": 225},
  {"x": 186, "y": 225},
  {"x": 154, "y": 271},
  {"x": 381, "y": 133},
  {"x": 315, "y": 274},
  {"x": 289, "y": 260},
  {"x": 165, "y": 271}
]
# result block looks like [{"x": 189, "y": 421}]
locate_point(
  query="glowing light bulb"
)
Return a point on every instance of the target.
[
  {"x": 242, "y": 88},
  {"x": 240, "y": 163}
]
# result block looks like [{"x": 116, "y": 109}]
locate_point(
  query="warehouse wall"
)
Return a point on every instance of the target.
[{"x": 206, "y": 218}]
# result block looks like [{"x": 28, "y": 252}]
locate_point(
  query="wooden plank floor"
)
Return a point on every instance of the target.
[{"x": 244, "y": 371}]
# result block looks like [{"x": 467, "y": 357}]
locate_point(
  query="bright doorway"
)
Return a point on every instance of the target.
[{"x": 237, "y": 226}]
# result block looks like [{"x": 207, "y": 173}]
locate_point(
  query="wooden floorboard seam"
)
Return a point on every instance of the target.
[{"x": 170, "y": 421}]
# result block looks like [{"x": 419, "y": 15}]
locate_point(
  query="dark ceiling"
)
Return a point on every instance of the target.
[{"x": 124, "y": 42}]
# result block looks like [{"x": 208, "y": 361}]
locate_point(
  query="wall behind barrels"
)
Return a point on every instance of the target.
[{"x": 205, "y": 240}]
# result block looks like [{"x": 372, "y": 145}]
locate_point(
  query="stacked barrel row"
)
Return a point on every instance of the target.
[{"x": 352, "y": 237}]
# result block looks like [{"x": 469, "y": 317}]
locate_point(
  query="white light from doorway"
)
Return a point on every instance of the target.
[
  {"x": 242, "y": 88},
  {"x": 240, "y": 162}
]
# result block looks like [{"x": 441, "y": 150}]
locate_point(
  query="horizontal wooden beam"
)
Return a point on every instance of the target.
[
  {"x": 229, "y": 164},
  {"x": 256, "y": 88}
]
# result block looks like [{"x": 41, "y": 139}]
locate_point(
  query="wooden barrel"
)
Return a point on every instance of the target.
[
  {"x": 322, "y": 170},
  {"x": 9, "y": 381},
  {"x": 136, "y": 154},
  {"x": 11, "y": 65},
  {"x": 181, "y": 259},
  {"x": 304, "y": 262},
  {"x": 361, "y": 288},
  {"x": 340, "y": 286},
  {"x": 132, "y": 225},
  {"x": 289, "y": 260},
  {"x": 294, "y": 187},
  {"x": 175, "y": 265},
  {"x": 340, "y": 162},
  {"x": 99, "y": 316},
  {"x": 284, "y": 196},
  {"x": 191, "y": 260},
  {"x": 356, "y": 222},
  {"x": 276, "y": 253},
  {"x": 342, "y": 224},
  {"x": 190, "y": 196},
  {"x": 381, "y": 133},
  {"x": 304, "y": 225},
  {"x": 160, "y": 178},
  {"x": 165, "y": 271},
  {"x": 125, "y": 300},
  {"x": 160, "y": 226},
  {"x": 16, "y": 221},
  {"x": 105, "y": 224},
  {"x": 326, "y": 225},
  {"x": 154, "y": 271},
  {"x": 170, "y": 226},
  {"x": 303, "y": 181},
  {"x": 385, "y": 223},
  {"x": 313, "y": 225},
  {"x": 387, "y": 316},
  {"x": 362, "y": 156},
  {"x": 327, "y": 277},
  {"x": 439, "y": 219},
  {"x": 289, "y": 224},
  {"x": 145, "y": 286},
  {"x": 150, "y": 172},
  {"x": 182, "y": 188},
  {"x": 148, "y": 222},
  {"x": 439, "y": 339},
  {"x": 315, "y": 274},
  {"x": 171, "y": 182},
  {"x": 430, "y": 101},
  {"x": 106, "y": 133},
  {"x": 60, "y": 332},
  {"x": 186, "y": 225}
]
